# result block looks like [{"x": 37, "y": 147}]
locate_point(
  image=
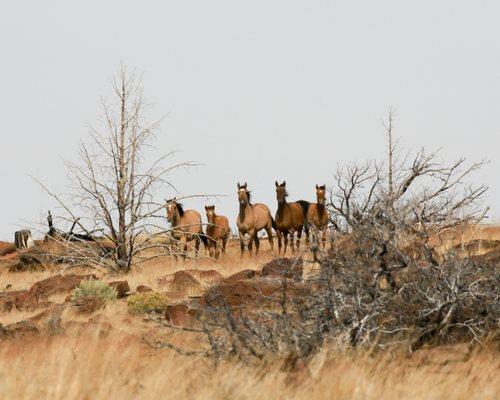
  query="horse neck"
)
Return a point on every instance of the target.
[
  {"x": 282, "y": 207},
  {"x": 243, "y": 210},
  {"x": 176, "y": 220}
]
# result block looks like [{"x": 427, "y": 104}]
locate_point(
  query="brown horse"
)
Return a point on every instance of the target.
[
  {"x": 186, "y": 226},
  {"x": 290, "y": 218},
  {"x": 217, "y": 229},
  {"x": 317, "y": 215},
  {"x": 252, "y": 218}
]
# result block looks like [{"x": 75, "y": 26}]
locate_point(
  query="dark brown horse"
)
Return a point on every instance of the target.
[
  {"x": 186, "y": 226},
  {"x": 217, "y": 229},
  {"x": 252, "y": 218},
  {"x": 290, "y": 218},
  {"x": 317, "y": 215}
]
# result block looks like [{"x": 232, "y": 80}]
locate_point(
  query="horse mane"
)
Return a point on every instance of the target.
[
  {"x": 249, "y": 195},
  {"x": 180, "y": 209}
]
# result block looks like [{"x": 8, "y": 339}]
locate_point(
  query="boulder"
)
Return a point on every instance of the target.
[
  {"x": 182, "y": 282},
  {"x": 182, "y": 316},
  {"x": 22, "y": 329},
  {"x": 240, "y": 293},
  {"x": 291, "y": 268},
  {"x": 241, "y": 275},
  {"x": 88, "y": 304},
  {"x": 27, "y": 263},
  {"x": 143, "y": 288},
  {"x": 121, "y": 287},
  {"x": 208, "y": 277}
]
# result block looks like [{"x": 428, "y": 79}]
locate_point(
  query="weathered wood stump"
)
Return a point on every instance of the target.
[{"x": 23, "y": 239}]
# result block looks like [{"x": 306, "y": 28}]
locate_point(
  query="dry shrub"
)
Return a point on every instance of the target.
[
  {"x": 94, "y": 288},
  {"x": 145, "y": 302}
]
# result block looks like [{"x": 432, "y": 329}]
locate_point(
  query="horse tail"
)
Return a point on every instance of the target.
[
  {"x": 204, "y": 239},
  {"x": 273, "y": 223},
  {"x": 305, "y": 206}
]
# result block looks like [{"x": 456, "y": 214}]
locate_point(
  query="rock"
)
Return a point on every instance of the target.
[
  {"x": 182, "y": 282},
  {"x": 180, "y": 315},
  {"x": 208, "y": 277},
  {"x": 27, "y": 263},
  {"x": 143, "y": 288},
  {"x": 121, "y": 287},
  {"x": 285, "y": 268},
  {"x": 247, "y": 292},
  {"x": 7, "y": 248},
  {"x": 88, "y": 305},
  {"x": 37, "y": 295},
  {"x": 251, "y": 293},
  {"x": 12, "y": 300},
  {"x": 241, "y": 275},
  {"x": 22, "y": 329}
]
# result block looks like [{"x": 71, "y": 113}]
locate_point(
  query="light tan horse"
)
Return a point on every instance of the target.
[
  {"x": 252, "y": 218},
  {"x": 290, "y": 218},
  {"x": 217, "y": 229},
  {"x": 317, "y": 215},
  {"x": 186, "y": 226}
]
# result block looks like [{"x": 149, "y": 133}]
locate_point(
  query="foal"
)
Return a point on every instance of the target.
[
  {"x": 186, "y": 226},
  {"x": 217, "y": 229},
  {"x": 317, "y": 215},
  {"x": 290, "y": 218},
  {"x": 252, "y": 218}
]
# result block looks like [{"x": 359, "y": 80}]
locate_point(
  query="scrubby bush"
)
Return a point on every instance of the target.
[
  {"x": 94, "y": 288},
  {"x": 147, "y": 302}
]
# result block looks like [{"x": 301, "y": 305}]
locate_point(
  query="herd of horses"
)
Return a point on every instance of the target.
[{"x": 290, "y": 221}]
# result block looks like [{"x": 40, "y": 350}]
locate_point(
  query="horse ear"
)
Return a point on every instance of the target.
[
  {"x": 245, "y": 185},
  {"x": 284, "y": 183},
  {"x": 276, "y": 183},
  {"x": 317, "y": 187},
  {"x": 239, "y": 187},
  {"x": 206, "y": 207}
]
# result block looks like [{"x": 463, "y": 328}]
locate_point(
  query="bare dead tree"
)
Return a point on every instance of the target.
[{"x": 112, "y": 186}]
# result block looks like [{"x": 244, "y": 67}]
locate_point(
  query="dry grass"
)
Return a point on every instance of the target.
[
  {"x": 122, "y": 366},
  {"x": 119, "y": 366}
]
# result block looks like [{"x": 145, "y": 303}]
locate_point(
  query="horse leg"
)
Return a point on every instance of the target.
[
  {"x": 250, "y": 241},
  {"x": 279, "y": 234},
  {"x": 257, "y": 243},
  {"x": 183, "y": 247},
  {"x": 323, "y": 238},
  {"x": 242, "y": 242},
  {"x": 285, "y": 239},
  {"x": 270, "y": 236},
  {"x": 306, "y": 231},
  {"x": 224, "y": 243},
  {"x": 299, "y": 236},
  {"x": 197, "y": 242}
]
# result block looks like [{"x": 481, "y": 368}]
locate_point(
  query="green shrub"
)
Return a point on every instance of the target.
[
  {"x": 94, "y": 288},
  {"x": 146, "y": 302}
]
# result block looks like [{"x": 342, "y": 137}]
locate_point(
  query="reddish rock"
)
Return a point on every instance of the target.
[
  {"x": 23, "y": 329},
  {"x": 285, "y": 268},
  {"x": 88, "y": 305},
  {"x": 143, "y": 288},
  {"x": 121, "y": 287},
  {"x": 11, "y": 300},
  {"x": 209, "y": 277},
  {"x": 180, "y": 315},
  {"x": 246, "y": 292},
  {"x": 7, "y": 248},
  {"x": 47, "y": 287},
  {"x": 181, "y": 281},
  {"x": 241, "y": 275}
]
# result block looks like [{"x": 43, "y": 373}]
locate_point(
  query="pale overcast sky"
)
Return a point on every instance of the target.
[{"x": 257, "y": 91}]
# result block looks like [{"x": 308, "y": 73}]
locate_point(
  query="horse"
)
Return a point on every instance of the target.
[
  {"x": 317, "y": 215},
  {"x": 252, "y": 218},
  {"x": 186, "y": 226},
  {"x": 290, "y": 218},
  {"x": 217, "y": 229}
]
